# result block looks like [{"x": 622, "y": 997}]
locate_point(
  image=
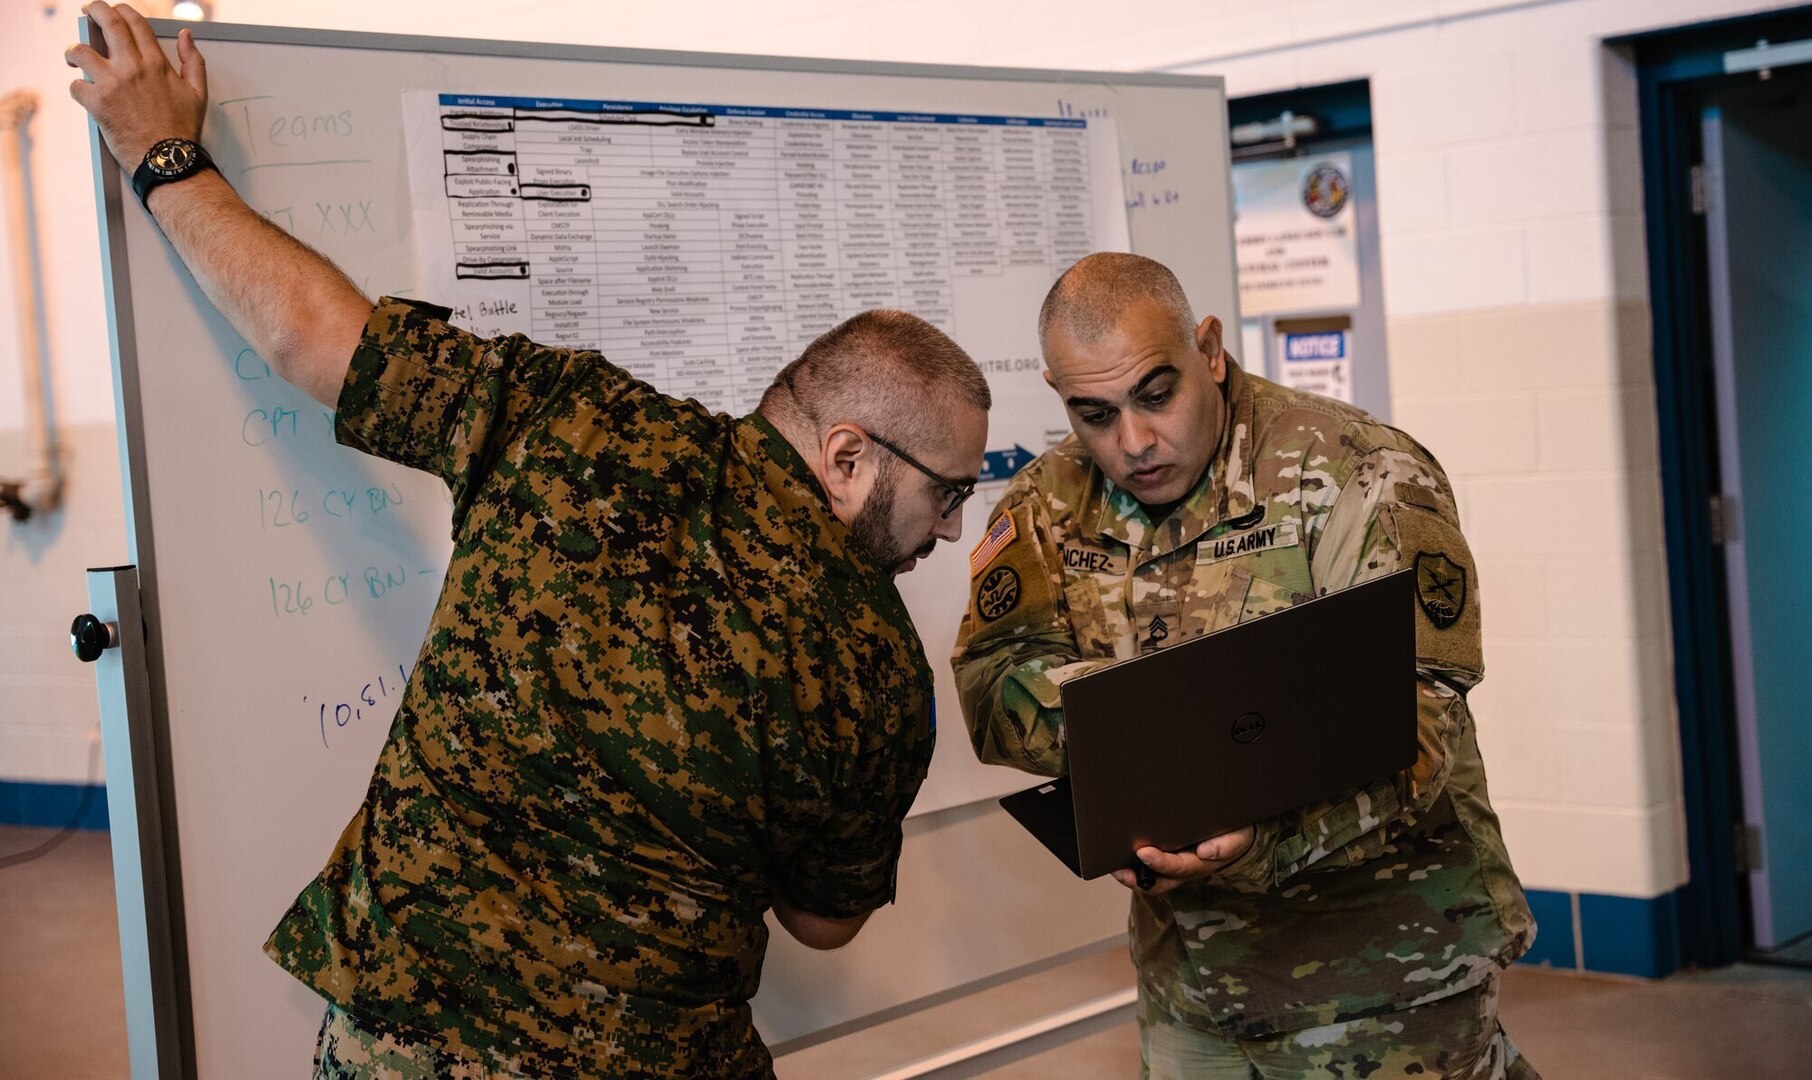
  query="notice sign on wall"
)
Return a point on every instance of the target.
[
  {"x": 1315, "y": 356},
  {"x": 1293, "y": 221}
]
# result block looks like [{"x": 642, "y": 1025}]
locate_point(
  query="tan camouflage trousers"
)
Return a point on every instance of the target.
[
  {"x": 348, "y": 1052},
  {"x": 1457, "y": 1037}
]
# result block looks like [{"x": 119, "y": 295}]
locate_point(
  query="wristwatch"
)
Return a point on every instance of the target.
[{"x": 167, "y": 162}]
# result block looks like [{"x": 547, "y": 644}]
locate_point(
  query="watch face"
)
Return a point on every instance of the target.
[{"x": 172, "y": 157}]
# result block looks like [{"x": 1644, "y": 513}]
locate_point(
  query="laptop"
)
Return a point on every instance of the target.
[{"x": 1232, "y": 728}]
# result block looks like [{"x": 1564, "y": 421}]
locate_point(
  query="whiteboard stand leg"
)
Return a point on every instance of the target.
[
  {"x": 1005, "y": 1047},
  {"x": 143, "y": 870}
]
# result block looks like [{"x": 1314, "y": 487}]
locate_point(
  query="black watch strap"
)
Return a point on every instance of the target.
[{"x": 168, "y": 161}]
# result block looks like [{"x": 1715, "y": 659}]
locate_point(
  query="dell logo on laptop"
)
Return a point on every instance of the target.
[{"x": 1248, "y": 728}]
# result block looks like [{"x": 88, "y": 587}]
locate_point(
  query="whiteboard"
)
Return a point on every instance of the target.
[{"x": 287, "y": 582}]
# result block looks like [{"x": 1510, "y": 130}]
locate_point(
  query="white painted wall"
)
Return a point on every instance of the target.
[
  {"x": 1510, "y": 214},
  {"x": 48, "y": 720}
]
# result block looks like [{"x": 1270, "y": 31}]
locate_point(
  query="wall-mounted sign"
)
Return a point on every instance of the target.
[
  {"x": 1316, "y": 356},
  {"x": 1293, "y": 221}
]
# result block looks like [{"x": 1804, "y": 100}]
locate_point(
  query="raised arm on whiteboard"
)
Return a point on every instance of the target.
[{"x": 289, "y": 302}]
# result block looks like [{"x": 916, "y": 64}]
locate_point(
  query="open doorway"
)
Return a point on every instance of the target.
[
  {"x": 1727, "y": 140},
  {"x": 1756, "y": 180}
]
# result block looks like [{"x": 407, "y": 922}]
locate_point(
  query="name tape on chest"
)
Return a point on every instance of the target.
[
  {"x": 1002, "y": 534},
  {"x": 1233, "y": 545},
  {"x": 1081, "y": 559}
]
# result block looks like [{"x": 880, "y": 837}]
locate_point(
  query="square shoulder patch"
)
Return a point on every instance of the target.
[{"x": 1447, "y": 594}]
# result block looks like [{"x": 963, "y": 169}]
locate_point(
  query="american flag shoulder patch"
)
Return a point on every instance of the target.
[{"x": 998, "y": 537}]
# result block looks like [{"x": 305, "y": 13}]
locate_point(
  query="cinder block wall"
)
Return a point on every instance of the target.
[
  {"x": 49, "y": 730},
  {"x": 1515, "y": 284}
]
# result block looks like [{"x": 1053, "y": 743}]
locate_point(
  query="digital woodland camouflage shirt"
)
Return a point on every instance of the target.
[
  {"x": 661, "y": 683},
  {"x": 1398, "y": 893}
]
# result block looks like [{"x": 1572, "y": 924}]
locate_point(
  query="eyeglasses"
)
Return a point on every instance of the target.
[{"x": 955, "y": 492}]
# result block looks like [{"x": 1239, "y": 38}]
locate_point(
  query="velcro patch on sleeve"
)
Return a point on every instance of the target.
[
  {"x": 998, "y": 594},
  {"x": 999, "y": 536},
  {"x": 1016, "y": 591},
  {"x": 1447, "y": 601}
]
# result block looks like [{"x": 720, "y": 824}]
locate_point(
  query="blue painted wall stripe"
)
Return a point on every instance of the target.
[
  {"x": 1554, "y": 945},
  {"x": 1618, "y": 934},
  {"x": 52, "y": 805},
  {"x": 1630, "y": 936}
]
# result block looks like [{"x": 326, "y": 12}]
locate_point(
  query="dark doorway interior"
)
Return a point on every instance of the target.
[{"x": 1727, "y": 148}]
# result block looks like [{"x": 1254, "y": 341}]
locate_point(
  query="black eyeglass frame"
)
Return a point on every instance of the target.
[{"x": 958, "y": 493}]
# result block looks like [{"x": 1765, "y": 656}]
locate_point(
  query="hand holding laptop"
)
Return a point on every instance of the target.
[
  {"x": 1222, "y": 728},
  {"x": 1173, "y": 868}
]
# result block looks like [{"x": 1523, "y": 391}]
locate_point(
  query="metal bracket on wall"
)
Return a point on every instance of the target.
[
  {"x": 1749, "y": 856},
  {"x": 1721, "y": 511},
  {"x": 1765, "y": 57}
]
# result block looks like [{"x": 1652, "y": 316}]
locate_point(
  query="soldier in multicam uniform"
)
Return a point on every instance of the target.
[
  {"x": 669, "y": 684},
  {"x": 1362, "y": 936}
]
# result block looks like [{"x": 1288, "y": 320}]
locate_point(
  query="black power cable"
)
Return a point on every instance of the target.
[{"x": 45, "y": 847}]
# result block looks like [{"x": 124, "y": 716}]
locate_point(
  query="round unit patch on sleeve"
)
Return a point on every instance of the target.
[
  {"x": 1440, "y": 588},
  {"x": 999, "y": 593}
]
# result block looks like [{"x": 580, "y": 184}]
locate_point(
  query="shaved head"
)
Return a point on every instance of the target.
[
  {"x": 1141, "y": 380},
  {"x": 1088, "y": 301}
]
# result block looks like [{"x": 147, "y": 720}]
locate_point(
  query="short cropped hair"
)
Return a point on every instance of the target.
[
  {"x": 889, "y": 372},
  {"x": 1090, "y": 297}
]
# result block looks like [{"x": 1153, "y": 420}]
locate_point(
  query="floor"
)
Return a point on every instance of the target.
[
  {"x": 1798, "y": 951},
  {"x": 62, "y": 1013}
]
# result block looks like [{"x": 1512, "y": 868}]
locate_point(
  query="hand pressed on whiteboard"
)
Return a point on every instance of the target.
[
  {"x": 136, "y": 97},
  {"x": 1173, "y": 868},
  {"x": 291, "y": 305}
]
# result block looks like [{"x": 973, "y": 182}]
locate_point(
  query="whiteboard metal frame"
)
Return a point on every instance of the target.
[
  {"x": 527, "y": 50},
  {"x": 140, "y": 864},
  {"x": 991, "y": 1052},
  {"x": 152, "y": 927},
  {"x": 135, "y": 719}
]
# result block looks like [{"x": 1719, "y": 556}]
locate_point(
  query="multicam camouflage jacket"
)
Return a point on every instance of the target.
[
  {"x": 661, "y": 684},
  {"x": 1398, "y": 893}
]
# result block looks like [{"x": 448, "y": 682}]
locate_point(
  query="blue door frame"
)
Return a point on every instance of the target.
[{"x": 1676, "y": 71}]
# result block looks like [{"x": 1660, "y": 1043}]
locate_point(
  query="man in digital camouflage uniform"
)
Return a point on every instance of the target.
[
  {"x": 1359, "y": 937},
  {"x": 669, "y": 685},
  {"x": 665, "y": 689}
]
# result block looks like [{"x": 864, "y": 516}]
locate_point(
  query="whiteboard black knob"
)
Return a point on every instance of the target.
[{"x": 90, "y": 637}]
